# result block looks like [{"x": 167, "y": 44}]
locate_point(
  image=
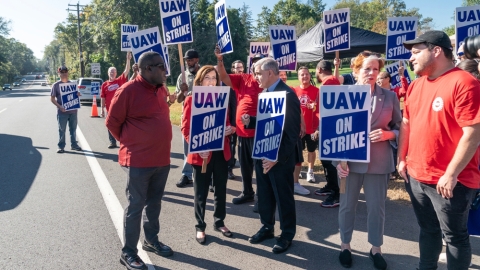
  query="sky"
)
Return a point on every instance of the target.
[{"x": 33, "y": 21}]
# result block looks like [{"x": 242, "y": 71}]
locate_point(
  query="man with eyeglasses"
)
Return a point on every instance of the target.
[
  {"x": 64, "y": 117},
  {"x": 108, "y": 90},
  {"x": 139, "y": 118},
  {"x": 185, "y": 89}
]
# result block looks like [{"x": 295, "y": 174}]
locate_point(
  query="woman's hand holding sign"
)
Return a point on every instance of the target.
[
  {"x": 267, "y": 165},
  {"x": 229, "y": 130},
  {"x": 380, "y": 135}
]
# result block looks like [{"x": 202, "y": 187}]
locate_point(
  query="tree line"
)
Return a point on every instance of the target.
[
  {"x": 15, "y": 57},
  {"x": 101, "y": 20}
]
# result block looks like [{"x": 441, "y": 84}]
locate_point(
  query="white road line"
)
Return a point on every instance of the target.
[
  {"x": 3, "y": 110},
  {"x": 111, "y": 201}
]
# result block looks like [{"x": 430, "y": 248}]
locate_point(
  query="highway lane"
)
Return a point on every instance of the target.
[{"x": 52, "y": 213}]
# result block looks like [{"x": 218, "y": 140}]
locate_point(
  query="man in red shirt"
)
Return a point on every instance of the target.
[
  {"x": 139, "y": 118},
  {"x": 325, "y": 76},
  {"x": 108, "y": 90},
  {"x": 438, "y": 151},
  {"x": 247, "y": 91}
]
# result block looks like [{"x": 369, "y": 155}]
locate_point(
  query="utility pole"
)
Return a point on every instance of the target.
[{"x": 82, "y": 68}]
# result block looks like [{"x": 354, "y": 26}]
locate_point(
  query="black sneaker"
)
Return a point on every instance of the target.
[
  {"x": 132, "y": 262},
  {"x": 60, "y": 150},
  {"x": 184, "y": 181},
  {"x": 243, "y": 199},
  {"x": 158, "y": 248},
  {"x": 324, "y": 191},
  {"x": 76, "y": 148},
  {"x": 231, "y": 176},
  {"x": 112, "y": 145},
  {"x": 333, "y": 200}
]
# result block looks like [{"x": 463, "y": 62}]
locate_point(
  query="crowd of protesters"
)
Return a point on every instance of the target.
[{"x": 434, "y": 138}]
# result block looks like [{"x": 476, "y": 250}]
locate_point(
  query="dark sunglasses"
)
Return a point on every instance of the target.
[
  {"x": 161, "y": 66},
  {"x": 459, "y": 54},
  {"x": 367, "y": 54},
  {"x": 63, "y": 71}
]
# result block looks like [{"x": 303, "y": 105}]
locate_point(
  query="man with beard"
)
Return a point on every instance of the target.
[{"x": 185, "y": 89}]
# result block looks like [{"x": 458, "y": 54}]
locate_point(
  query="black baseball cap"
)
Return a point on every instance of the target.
[
  {"x": 62, "y": 68},
  {"x": 190, "y": 54},
  {"x": 325, "y": 65},
  {"x": 257, "y": 56},
  {"x": 438, "y": 38}
]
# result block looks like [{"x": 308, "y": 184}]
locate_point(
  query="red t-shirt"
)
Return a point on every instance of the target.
[
  {"x": 331, "y": 81},
  {"x": 437, "y": 110},
  {"x": 109, "y": 88},
  {"x": 306, "y": 96},
  {"x": 247, "y": 90}
]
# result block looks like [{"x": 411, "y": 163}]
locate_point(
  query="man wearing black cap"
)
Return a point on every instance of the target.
[
  {"x": 440, "y": 134},
  {"x": 247, "y": 91},
  {"x": 184, "y": 89},
  {"x": 64, "y": 116}
]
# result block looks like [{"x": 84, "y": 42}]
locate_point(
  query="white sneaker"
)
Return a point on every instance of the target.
[
  {"x": 300, "y": 175},
  {"x": 310, "y": 177},
  {"x": 300, "y": 190},
  {"x": 443, "y": 257}
]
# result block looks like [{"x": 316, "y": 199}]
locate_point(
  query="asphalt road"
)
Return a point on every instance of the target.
[{"x": 64, "y": 211}]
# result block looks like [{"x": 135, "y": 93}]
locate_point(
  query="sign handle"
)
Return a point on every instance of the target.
[
  {"x": 343, "y": 180},
  {"x": 204, "y": 165},
  {"x": 337, "y": 71},
  {"x": 182, "y": 64}
]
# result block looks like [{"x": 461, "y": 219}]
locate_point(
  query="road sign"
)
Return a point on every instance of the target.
[{"x": 95, "y": 68}]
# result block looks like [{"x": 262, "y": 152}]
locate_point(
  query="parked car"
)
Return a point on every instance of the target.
[
  {"x": 7, "y": 86},
  {"x": 44, "y": 84},
  {"x": 23, "y": 80},
  {"x": 16, "y": 84},
  {"x": 85, "y": 85}
]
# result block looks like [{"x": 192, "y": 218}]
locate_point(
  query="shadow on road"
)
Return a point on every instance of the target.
[{"x": 19, "y": 164}]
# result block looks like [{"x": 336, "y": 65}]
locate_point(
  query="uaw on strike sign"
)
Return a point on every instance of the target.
[
  {"x": 127, "y": 29},
  {"x": 177, "y": 25},
  {"x": 284, "y": 44},
  {"x": 70, "y": 99},
  {"x": 395, "y": 80},
  {"x": 399, "y": 30},
  {"x": 467, "y": 23},
  {"x": 336, "y": 29},
  {"x": 345, "y": 123},
  {"x": 145, "y": 41},
  {"x": 208, "y": 118},
  {"x": 257, "y": 48},
  {"x": 269, "y": 126},
  {"x": 223, "y": 30}
]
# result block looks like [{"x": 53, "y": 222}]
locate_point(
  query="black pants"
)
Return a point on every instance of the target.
[
  {"x": 218, "y": 168},
  {"x": 233, "y": 144},
  {"x": 275, "y": 189},
  {"x": 245, "y": 150},
  {"x": 144, "y": 191},
  {"x": 331, "y": 175}
]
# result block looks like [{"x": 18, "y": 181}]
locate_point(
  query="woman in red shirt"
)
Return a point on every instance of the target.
[{"x": 217, "y": 167}]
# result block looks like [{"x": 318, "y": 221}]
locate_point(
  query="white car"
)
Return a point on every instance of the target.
[{"x": 85, "y": 87}]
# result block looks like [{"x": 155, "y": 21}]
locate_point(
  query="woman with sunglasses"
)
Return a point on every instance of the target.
[
  {"x": 385, "y": 121},
  {"x": 217, "y": 167},
  {"x": 384, "y": 78}
]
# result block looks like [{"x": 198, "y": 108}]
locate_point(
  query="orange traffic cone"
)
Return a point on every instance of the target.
[{"x": 94, "y": 107}]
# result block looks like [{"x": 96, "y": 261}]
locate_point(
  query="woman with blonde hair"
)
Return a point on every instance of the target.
[{"x": 385, "y": 121}]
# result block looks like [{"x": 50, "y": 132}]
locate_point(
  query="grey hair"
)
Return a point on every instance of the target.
[
  {"x": 268, "y": 64},
  {"x": 110, "y": 68}
]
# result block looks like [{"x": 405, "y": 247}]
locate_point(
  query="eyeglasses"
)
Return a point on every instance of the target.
[
  {"x": 367, "y": 54},
  {"x": 161, "y": 66},
  {"x": 237, "y": 67}
]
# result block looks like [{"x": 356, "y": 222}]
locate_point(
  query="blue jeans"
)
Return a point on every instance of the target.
[
  {"x": 436, "y": 215},
  {"x": 62, "y": 119},
  {"x": 187, "y": 169}
]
